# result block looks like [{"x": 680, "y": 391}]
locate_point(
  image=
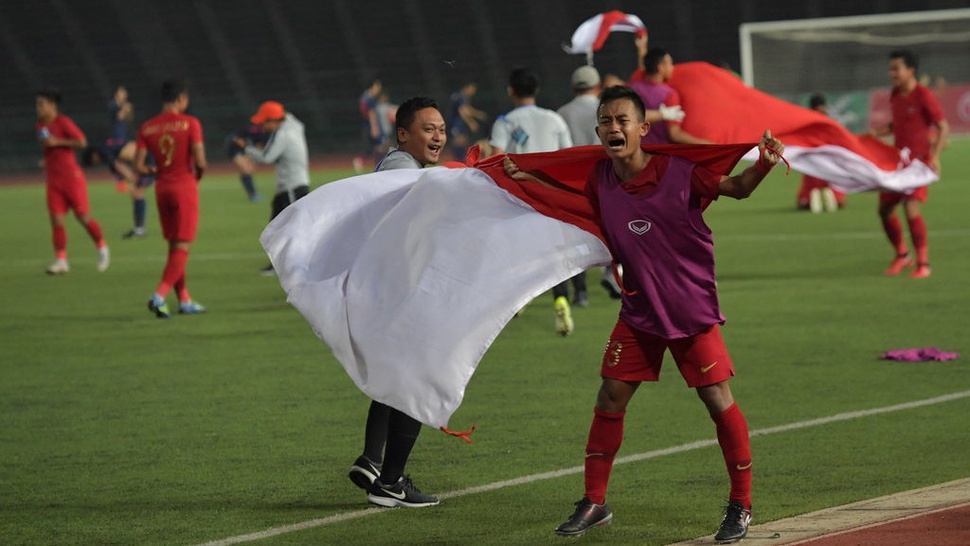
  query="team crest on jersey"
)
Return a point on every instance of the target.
[{"x": 639, "y": 226}]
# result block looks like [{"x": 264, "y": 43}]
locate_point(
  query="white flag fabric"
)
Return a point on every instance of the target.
[{"x": 409, "y": 275}]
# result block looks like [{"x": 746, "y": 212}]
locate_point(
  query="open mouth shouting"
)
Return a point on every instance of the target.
[
  {"x": 615, "y": 143},
  {"x": 434, "y": 151}
]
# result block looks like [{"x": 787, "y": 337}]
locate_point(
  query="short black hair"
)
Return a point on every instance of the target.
[
  {"x": 652, "y": 59},
  {"x": 816, "y": 100},
  {"x": 408, "y": 108},
  {"x": 524, "y": 82},
  {"x": 620, "y": 92},
  {"x": 50, "y": 94},
  {"x": 171, "y": 89},
  {"x": 909, "y": 58}
]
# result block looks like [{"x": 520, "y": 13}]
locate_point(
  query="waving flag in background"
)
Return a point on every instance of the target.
[
  {"x": 409, "y": 275},
  {"x": 722, "y": 109},
  {"x": 592, "y": 33}
]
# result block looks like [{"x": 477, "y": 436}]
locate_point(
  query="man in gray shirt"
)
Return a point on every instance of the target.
[
  {"x": 420, "y": 133},
  {"x": 580, "y": 113},
  {"x": 390, "y": 434},
  {"x": 286, "y": 148}
]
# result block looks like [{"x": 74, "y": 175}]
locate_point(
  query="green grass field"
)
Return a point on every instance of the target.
[{"x": 118, "y": 428}]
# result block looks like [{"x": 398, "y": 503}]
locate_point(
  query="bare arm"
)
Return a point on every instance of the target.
[
  {"x": 512, "y": 170},
  {"x": 198, "y": 157},
  {"x": 641, "y": 44},
  {"x": 53, "y": 141},
  {"x": 141, "y": 154},
  {"x": 937, "y": 146},
  {"x": 882, "y": 131},
  {"x": 743, "y": 185}
]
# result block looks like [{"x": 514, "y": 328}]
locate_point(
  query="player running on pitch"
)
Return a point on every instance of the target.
[
  {"x": 67, "y": 189},
  {"x": 649, "y": 207}
]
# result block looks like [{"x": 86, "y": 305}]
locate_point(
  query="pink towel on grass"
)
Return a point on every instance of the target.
[{"x": 918, "y": 355}]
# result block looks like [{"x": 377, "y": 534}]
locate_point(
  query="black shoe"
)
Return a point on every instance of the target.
[
  {"x": 587, "y": 515},
  {"x": 735, "y": 524},
  {"x": 134, "y": 232},
  {"x": 267, "y": 271},
  {"x": 364, "y": 472},
  {"x": 403, "y": 493},
  {"x": 612, "y": 288}
]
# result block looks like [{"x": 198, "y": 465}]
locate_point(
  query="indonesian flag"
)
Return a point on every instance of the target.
[
  {"x": 721, "y": 108},
  {"x": 409, "y": 275},
  {"x": 592, "y": 34}
]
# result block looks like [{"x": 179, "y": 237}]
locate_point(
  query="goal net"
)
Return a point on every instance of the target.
[{"x": 847, "y": 57}]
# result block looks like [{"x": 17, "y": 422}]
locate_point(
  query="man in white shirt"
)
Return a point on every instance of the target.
[{"x": 527, "y": 129}]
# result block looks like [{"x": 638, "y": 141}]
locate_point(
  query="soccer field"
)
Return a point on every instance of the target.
[{"x": 119, "y": 428}]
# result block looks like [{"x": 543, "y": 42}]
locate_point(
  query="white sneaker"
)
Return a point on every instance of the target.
[
  {"x": 104, "y": 258},
  {"x": 59, "y": 267},
  {"x": 829, "y": 203},
  {"x": 815, "y": 201}
]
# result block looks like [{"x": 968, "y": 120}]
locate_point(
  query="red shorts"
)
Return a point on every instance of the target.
[
  {"x": 178, "y": 211},
  {"x": 632, "y": 355},
  {"x": 892, "y": 197},
  {"x": 64, "y": 198}
]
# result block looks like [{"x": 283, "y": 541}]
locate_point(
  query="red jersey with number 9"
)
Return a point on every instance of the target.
[{"x": 169, "y": 137}]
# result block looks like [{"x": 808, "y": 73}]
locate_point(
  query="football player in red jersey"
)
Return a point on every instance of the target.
[
  {"x": 175, "y": 141},
  {"x": 66, "y": 186},
  {"x": 919, "y": 126}
]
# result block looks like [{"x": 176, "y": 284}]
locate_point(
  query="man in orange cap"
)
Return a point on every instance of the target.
[{"x": 287, "y": 149}]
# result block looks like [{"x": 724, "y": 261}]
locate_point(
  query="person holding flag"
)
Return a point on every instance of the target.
[
  {"x": 390, "y": 434},
  {"x": 649, "y": 208},
  {"x": 915, "y": 112}
]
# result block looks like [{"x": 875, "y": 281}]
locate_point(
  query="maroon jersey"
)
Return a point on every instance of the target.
[
  {"x": 60, "y": 164},
  {"x": 914, "y": 114},
  {"x": 667, "y": 250},
  {"x": 169, "y": 138}
]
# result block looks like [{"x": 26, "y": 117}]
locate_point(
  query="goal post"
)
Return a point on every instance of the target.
[{"x": 842, "y": 56}]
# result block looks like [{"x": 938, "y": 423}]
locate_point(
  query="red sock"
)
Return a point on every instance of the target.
[
  {"x": 732, "y": 434},
  {"x": 917, "y": 230},
  {"x": 174, "y": 270},
  {"x": 94, "y": 230},
  {"x": 59, "y": 236},
  {"x": 894, "y": 230},
  {"x": 605, "y": 437},
  {"x": 181, "y": 291}
]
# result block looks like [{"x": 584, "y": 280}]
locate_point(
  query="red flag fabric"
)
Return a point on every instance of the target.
[
  {"x": 568, "y": 169},
  {"x": 721, "y": 108}
]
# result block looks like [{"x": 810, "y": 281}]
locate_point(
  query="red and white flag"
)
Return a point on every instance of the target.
[
  {"x": 592, "y": 33},
  {"x": 721, "y": 108},
  {"x": 409, "y": 275}
]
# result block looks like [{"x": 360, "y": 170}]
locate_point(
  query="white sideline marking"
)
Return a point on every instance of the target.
[{"x": 532, "y": 478}]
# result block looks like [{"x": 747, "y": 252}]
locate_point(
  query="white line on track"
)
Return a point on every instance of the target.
[{"x": 532, "y": 478}]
